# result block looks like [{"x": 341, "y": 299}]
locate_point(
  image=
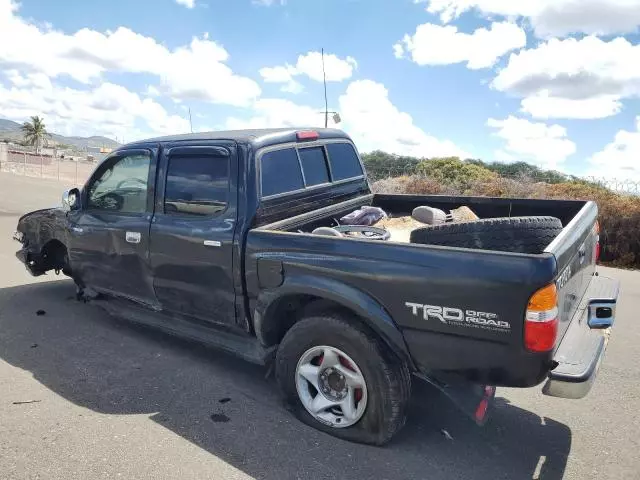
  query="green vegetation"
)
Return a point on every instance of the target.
[
  {"x": 35, "y": 133},
  {"x": 454, "y": 171},
  {"x": 384, "y": 165}
]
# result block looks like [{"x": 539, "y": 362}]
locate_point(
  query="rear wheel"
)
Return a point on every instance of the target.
[{"x": 337, "y": 377}]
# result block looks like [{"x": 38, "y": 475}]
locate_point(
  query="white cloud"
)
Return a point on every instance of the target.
[
  {"x": 268, "y": 3},
  {"x": 187, "y": 3},
  {"x": 398, "y": 50},
  {"x": 539, "y": 143},
  {"x": 443, "y": 45},
  {"x": 292, "y": 87},
  {"x": 276, "y": 112},
  {"x": 196, "y": 71},
  {"x": 368, "y": 115},
  {"x": 551, "y": 17},
  {"x": 576, "y": 78},
  {"x": 310, "y": 65},
  {"x": 282, "y": 75},
  {"x": 541, "y": 105},
  {"x": 107, "y": 109},
  {"x": 375, "y": 123},
  {"x": 619, "y": 159},
  {"x": 336, "y": 68}
]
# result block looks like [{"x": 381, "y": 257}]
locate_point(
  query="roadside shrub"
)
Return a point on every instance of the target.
[{"x": 454, "y": 172}]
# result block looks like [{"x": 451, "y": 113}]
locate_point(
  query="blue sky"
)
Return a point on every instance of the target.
[{"x": 490, "y": 79}]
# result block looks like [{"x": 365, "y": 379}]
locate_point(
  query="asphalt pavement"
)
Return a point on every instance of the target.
[{"x": 87, "y": 396}]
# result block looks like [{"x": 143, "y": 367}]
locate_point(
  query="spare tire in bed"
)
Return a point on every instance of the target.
[{"x": 515, "y": 234}]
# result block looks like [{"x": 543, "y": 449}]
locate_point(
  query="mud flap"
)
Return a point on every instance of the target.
[{"x": 474, "y": 400}]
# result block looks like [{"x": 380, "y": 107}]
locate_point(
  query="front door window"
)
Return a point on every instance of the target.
[{"x": 121, "y": 185}]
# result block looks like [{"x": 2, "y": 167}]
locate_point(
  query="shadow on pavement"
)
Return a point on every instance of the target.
[{"x": 226, "y": 407}]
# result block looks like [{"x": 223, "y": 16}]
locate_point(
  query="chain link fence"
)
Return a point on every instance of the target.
[{"x": 72, "y": 170}]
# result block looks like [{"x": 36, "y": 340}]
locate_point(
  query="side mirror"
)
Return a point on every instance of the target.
[{"x": 71, "y": 199}]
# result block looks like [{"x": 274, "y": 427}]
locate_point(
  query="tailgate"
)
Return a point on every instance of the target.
[{"x": 575, "y": 252}]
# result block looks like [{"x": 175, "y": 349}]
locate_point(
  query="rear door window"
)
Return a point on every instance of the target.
[
  {"x": 314, "y": 166},
  {"x": 280, "y": 172},
  {"x": 344, "y": 161},
  {"x": 196, "y": 185}
]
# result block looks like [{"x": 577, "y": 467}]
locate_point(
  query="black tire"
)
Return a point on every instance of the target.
[
  {"x": 515, "y": 234},
  {"x": 388, "y": 379}
]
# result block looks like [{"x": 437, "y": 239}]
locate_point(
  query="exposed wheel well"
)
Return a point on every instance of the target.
[
  {"x": 288, "y": 310},
  {"x": 54, "y": 255}
]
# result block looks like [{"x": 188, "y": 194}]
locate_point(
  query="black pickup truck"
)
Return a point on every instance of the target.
[{"x": 210, "y": 236}]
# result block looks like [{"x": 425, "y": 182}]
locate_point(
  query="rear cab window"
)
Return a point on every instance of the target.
[
  {"x": 197, "y": 185},
  {"x": 291, "y": 169}
]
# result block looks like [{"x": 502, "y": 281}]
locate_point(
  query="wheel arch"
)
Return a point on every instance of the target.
[{"x": 279, "y": 309}]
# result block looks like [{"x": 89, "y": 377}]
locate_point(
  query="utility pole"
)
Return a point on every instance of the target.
[
  {"x": 190, "y": 123},
  {"x": 326, "y": 104}
]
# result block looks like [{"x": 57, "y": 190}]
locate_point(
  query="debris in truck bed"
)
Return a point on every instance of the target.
[
  {"x": 366, "y": 215},
  {"x": 430, "y": 215},
  {"x": 400, "y": 228},
  {"x": 463, "y": 214}
]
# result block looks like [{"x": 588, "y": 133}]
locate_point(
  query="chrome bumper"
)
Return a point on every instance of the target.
[{"x": 581, "y": 351}]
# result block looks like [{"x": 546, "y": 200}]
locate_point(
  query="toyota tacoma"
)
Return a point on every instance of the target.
[{"x": 213, "y": 237}]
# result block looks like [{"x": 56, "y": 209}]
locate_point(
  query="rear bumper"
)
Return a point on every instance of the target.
[{"x": 581, "y": 351}]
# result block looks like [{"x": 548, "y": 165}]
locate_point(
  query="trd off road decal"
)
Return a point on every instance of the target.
[{"x": 459, "y": 318}]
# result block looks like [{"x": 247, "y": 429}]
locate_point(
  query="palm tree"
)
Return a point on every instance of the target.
[{"x": 35, "y": 133}]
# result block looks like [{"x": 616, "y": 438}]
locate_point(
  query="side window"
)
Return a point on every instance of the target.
[
  {"x": 280, "y": 172},
  {"x": 121, "y": 186},
  {"x": 344, "y": 161},
  {"x": 314, "y": 166},
  {"x": 196, "y": 185}
]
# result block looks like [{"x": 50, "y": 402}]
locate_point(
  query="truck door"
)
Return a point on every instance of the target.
[
  {"x": 108, "y": 238},
  {"x": 192, "y": 231}
]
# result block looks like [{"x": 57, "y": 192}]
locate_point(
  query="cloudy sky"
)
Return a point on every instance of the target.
[{"x": 552, "y": 82}]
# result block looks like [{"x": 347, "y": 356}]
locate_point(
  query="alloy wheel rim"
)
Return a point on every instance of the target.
[{"x": 331, "y": 386}]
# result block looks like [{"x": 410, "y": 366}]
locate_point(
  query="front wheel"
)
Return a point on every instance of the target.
[{"x": 339, "y": 378}]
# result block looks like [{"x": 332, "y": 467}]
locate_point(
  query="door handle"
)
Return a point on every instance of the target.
[
  {"x": 133, "y": 237},
  {"x": 212, "y": 243}
]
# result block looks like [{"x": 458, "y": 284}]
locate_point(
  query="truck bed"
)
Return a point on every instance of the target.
[{"x": 394, "y": 275}]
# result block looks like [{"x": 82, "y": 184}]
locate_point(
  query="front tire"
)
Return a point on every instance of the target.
[{"x": 339, "y": 378}]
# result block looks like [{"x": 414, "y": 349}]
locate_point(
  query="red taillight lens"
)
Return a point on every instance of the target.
[
  {"x": 307, "y": 135},
  {"x": 596, "y": 231},
  {"x": 540, "y": 337},
  {"x": 541, "y": 320}
]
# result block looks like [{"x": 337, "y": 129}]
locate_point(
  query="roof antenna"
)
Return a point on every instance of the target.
[
  {"x": 190, "y": 123},
  {"x": 326, "y": 104}
]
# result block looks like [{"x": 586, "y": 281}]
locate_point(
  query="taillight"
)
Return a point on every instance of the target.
[
  {"x": 541, "y": 321},
  {"x": 596, "y": 231}
]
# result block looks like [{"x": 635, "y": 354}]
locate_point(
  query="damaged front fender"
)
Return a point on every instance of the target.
[{"x": 42, "y": 234}]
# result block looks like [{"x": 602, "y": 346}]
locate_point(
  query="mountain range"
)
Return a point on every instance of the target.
[{"x": 10, "y": 130}]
